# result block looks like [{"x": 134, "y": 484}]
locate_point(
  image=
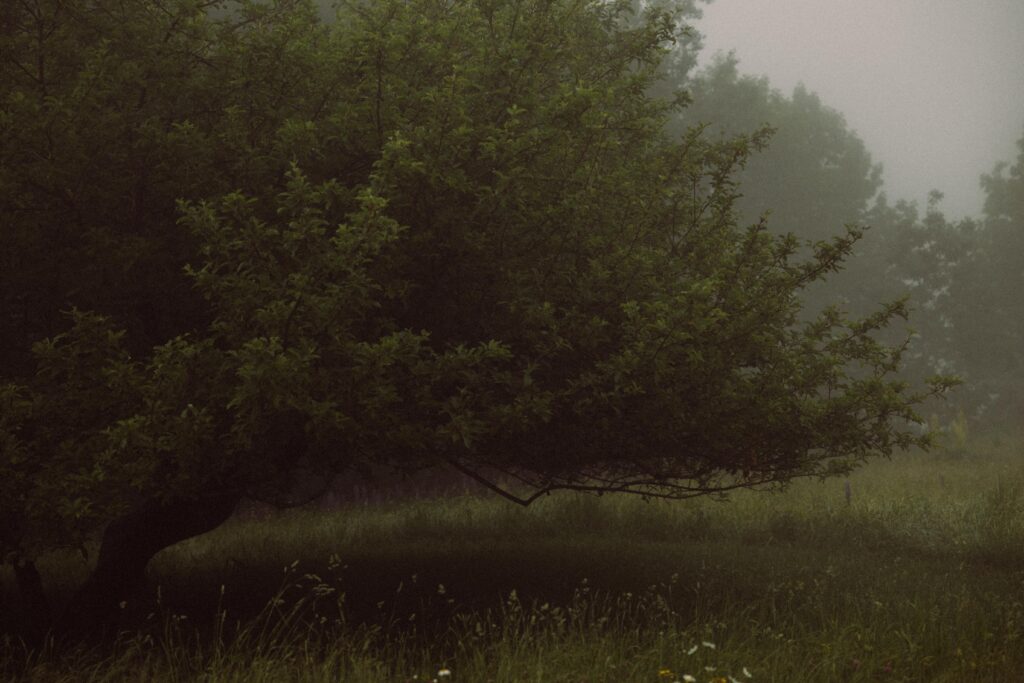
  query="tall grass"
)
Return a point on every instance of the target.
[{"x": 919, "y": 578}]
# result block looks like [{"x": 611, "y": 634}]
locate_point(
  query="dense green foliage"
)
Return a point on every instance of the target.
[{"x": 428, "y": 233}]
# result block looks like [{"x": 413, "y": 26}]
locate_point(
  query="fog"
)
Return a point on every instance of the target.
[{"x": 935, "y": 88}]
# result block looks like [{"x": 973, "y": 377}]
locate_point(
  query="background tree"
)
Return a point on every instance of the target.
[
  {"x": 1001, "y": 351},
  {"x": 813, "y": 176},
  {"x": 964, "y": 277},
  {"x": 463, "y": 238}
]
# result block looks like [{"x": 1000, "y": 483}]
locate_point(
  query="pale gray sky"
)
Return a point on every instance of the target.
[{"x": 935, "y": 88}]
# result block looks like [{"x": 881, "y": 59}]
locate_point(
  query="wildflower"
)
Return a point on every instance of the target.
[
  {"x": 708, "y": 644},
  {"x": 746, "y": 672},
  {"x": 692, "y": 650},
  {"x": 444, "y": 673},
  {"x": 665, "y": 673},
  {"x": 719, "y": 679},
  {"x": 687, "y": 678}
]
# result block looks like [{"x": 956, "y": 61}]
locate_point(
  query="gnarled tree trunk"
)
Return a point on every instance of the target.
[
  {"x": 31, "y": 606},
  {"x": 129, "y": 543}
]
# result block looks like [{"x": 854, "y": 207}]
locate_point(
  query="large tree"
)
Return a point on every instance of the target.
[{"x": 429, "y": 234}]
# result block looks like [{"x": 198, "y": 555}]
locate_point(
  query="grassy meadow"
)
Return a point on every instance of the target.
[{"x": 919, "y": 578}]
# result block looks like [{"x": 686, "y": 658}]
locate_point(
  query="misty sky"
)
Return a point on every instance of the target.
[{"x": 935, "y": 88}]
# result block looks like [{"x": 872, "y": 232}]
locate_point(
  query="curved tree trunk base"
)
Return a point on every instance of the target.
[
  {"x": 32, "y": 606},
  {"x": 128, "y": 544}
]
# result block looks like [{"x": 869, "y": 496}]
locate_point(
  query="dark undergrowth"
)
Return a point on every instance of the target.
[{"x": 919, "y": 578}]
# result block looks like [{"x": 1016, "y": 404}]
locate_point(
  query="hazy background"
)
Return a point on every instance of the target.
[{"x": 935, "y": 88}]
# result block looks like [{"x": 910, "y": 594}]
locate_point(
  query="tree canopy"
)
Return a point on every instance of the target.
[{"x": 426, "y": 234}]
